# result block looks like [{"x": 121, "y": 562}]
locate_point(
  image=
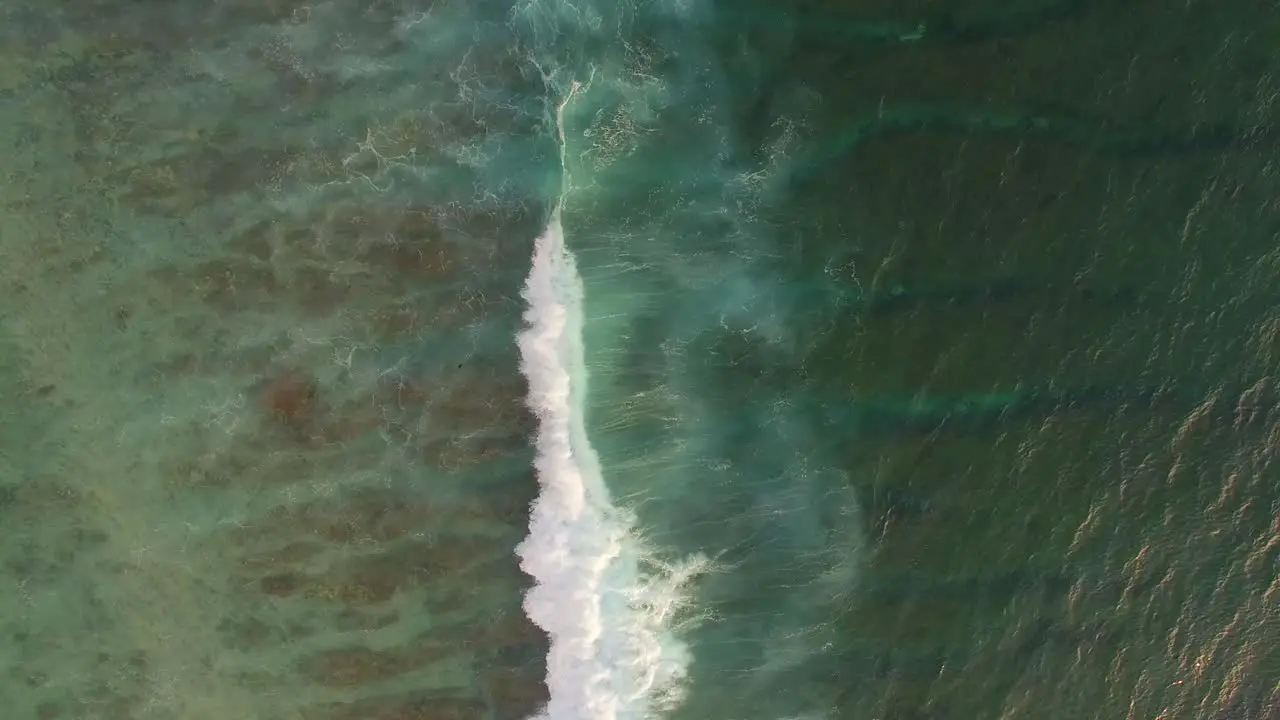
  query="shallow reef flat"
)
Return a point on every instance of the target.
[{"x": 266, "y": 450}]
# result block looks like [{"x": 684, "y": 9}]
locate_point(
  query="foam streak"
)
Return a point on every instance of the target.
[{"x": 610, "y": 657}]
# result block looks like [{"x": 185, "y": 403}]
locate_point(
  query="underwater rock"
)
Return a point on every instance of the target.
[
  {"x": 358, "y": 665},
  {"x": 290, "y": 400},
  {"x": 515, "y": 693},
  {"x": 422, "y": 705}
]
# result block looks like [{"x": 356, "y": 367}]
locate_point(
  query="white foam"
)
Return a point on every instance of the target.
[{"x": 611, "y": 657}]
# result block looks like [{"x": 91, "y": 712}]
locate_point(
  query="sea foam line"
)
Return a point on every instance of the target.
[{"x": 611, "y": 658}]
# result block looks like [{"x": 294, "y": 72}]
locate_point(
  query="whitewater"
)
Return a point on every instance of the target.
[{"x": 613, "y": 655}]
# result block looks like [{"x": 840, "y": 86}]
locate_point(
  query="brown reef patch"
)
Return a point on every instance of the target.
[
  {"x": 409, "y": 706},
  {"x": 357, "y": 665},
  {"x": 515, "y": 694}
]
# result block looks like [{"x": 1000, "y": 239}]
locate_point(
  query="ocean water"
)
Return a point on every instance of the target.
[{"x": 573, "y": 360}]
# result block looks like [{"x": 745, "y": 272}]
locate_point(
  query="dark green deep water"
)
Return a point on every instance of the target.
[
  {"x": 1109, "y": 550},
  {"x": 948, "y": 329}
]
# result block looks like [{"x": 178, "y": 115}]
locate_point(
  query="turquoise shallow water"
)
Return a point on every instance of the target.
[{"x": 925, "y": 364}]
